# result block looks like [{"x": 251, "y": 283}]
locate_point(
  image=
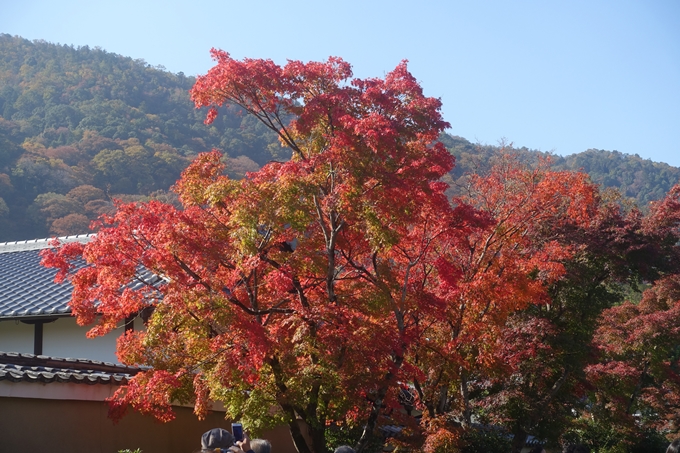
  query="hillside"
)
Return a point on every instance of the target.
[
  {"x": 102, "y": 125},
  {"x": 80, "y": 126},
  {"x": 640, "y": 180}
]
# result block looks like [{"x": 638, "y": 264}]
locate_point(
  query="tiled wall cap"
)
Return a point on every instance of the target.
[{"x": 38, "y": 244}]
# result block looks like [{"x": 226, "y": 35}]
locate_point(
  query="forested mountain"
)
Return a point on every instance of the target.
[
  {"x": 640, "y": 180},
  {"x": 80, "y": 126}
]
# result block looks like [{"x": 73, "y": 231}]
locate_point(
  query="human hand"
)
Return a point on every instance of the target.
[{"x": 244, "y": 444}]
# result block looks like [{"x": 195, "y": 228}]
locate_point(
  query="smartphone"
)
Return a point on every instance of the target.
[{"x": 237, "y": 431}]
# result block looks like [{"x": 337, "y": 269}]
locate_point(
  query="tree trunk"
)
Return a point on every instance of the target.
[
  {"x": 519, "y": 440},
  {"x": 298, "y": 439},
  {"x": 467, "y": 411},
  {"x": 367, "y": 435},
  {"x": 318, "y": 436},
  {"x": 443, "y": 399},
  {"x": 372, "y": 421}
]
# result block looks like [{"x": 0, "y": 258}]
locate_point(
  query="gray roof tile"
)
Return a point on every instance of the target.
[
  {"x": 17, "y": 367},
  {"x": 27, "y": 289}
]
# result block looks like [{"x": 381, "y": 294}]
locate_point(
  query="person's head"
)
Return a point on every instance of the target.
[
  {"x": 674, "y": 447},
  {"x": 261, "y": 446},
  {"x": 217, "y": 438},
  {"x": 344, "y": 449},
  {"x": 538, "y": 449}
]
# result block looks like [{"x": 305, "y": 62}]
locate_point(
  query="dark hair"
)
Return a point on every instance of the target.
[
  {"x": 674, "y": 447},
  {"x": 537, "y": 449}
]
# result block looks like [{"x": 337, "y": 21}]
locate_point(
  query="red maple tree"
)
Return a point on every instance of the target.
[
  {"x": 325, "y": 287},
  {"x": 292, "y": 292},
  {"x": 550, "y": 382},
  {"x": 493, "y": 271},
  {"x": 636, "y": 378}
]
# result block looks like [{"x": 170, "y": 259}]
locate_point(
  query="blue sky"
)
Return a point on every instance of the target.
[{"x": 548, "y": 75}]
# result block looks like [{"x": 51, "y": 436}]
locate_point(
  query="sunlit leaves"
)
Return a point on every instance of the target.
[{"x": 294, "y": 284}]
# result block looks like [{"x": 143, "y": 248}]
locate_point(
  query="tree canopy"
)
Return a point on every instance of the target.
[
  {"x": 280, "y": 286},
  {"x": 345, "y": 287}
]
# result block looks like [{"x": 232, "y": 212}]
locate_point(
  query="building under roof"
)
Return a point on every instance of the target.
[{"x": 54, "y": 382}]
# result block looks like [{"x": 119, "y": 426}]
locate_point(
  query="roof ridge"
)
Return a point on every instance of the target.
[
  {"x": 39, "y": 244},
  {"x": 32, "y": 360}
]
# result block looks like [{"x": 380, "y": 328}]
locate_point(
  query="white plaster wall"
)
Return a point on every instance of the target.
[
  {"x": 65, "y": 338},
  {"x": 16, "y": 336},
  {"x": 62, "y": 338}
]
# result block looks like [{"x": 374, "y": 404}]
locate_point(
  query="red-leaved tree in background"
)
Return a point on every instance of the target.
[{"x": 637, "y": 376}]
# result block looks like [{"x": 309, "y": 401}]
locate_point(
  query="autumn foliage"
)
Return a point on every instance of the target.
[
  {"x": 637, "y": 379},
  {"x": 324, "y": 287},
  {"x": 497, "y": 269},
  {"x": 297, "y": 285}
]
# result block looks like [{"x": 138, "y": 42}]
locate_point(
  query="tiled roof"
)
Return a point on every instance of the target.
[
  {"x": 17, "y": 367},
  {"x": 27, "y": 289}
]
